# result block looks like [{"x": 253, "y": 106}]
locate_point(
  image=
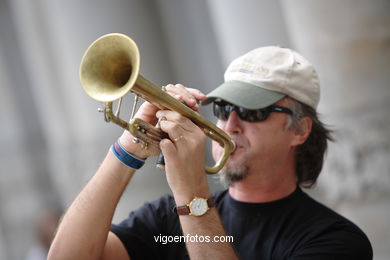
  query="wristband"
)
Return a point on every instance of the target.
[{"x": 126, "y": 158}]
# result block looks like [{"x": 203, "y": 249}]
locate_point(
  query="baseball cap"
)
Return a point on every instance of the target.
[{"x": 265, "y": 75}]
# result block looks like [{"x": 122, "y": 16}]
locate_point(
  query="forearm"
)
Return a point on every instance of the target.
[
  {"x": 83, "y": 231},
  {"x": 208, "y": 226},
  {"x": 184, "y": 158}
]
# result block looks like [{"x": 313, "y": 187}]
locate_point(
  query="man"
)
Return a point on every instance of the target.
[{"x": 268, "y": 106}]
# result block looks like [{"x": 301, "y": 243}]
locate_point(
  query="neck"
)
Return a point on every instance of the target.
[{"x": 262, "y": 186}]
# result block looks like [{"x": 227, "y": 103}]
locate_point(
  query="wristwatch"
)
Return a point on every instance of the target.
[{"x": 197, "y": 207}]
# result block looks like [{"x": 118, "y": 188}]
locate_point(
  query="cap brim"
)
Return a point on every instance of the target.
[{"x": 243, "y": 94}]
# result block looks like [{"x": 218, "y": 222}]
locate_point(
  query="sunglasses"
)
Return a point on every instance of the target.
[{"x": 223, "y": 109}]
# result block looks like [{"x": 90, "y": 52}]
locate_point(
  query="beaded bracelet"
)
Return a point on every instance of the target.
[{"x": 125, "y": 157}]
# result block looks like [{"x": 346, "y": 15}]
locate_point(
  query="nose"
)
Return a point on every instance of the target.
[{"x": 233, "y": 125}]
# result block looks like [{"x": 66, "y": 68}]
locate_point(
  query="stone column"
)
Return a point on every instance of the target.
[
  {"x": 349, "y": 43},
  {"x": 244, "y": 25},
  {"x": 52, "y": 137}
]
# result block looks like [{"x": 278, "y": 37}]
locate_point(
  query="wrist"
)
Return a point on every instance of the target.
[
  {"x": 125, "y": 157},
  {"x": 184, "y": 196},
  {"x": 198, "y": 206},
  {"x": 126, "y": 140}
]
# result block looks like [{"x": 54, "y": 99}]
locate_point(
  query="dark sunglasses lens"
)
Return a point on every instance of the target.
[
  {"x": 243, "y": 113},
  {"x": 252, "y": 115},
  {"x": 260, "y": 115},
  {"x": 221, "y": 111}
]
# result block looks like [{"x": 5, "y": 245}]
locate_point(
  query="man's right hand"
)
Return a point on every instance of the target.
[{"x": 147, "y": 112}]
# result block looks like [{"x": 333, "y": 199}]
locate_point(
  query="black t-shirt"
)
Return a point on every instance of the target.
[{"x": 296, "y": 227}]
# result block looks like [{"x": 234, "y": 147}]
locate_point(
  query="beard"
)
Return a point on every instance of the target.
[{"x": 229, "y": 175}]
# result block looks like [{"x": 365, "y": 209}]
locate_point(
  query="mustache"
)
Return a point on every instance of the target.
[{"x": 239, "y": 141}]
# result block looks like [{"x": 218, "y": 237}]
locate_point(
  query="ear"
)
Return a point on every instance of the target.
[{"x": 300, "y": 135}]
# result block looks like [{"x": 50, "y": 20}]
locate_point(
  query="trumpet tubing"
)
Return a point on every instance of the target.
[{"x": 110, "y": 69}]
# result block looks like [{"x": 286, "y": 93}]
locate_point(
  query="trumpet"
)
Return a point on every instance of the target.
[{"x": 109, "y": 70}]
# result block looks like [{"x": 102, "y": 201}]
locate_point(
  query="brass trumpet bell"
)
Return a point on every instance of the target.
[{"x": 110, "y": 69}]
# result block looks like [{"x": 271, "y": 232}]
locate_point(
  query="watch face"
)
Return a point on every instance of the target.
[{"x": 198, "y": 206}]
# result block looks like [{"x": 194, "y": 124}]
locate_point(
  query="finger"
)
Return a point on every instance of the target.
[
  {"x": 181, "y": 93},
  {"x": 168, "y": 149},
  {"x": 199, "y": 95},
  {"x": 196, "y": 93},
  {"x": 176, "y": 118},
  {"x": 173, "y": 129},
  {"x": 147, "y": 112}
]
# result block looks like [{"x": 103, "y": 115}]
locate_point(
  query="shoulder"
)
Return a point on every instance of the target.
[
  {"x": 317, "y": 213},
  {"x": 326, "y": 231},
  {"x": 152, "y": 214},
  {"x": 164, "y": 204}
]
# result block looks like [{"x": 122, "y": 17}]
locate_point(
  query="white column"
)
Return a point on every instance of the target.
[
  {"x": 244, "y": 25},
  {"x": 50, "y": 38},
  {"x": 54, "y": 35},
  {"x": 348, "y": 41}
]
